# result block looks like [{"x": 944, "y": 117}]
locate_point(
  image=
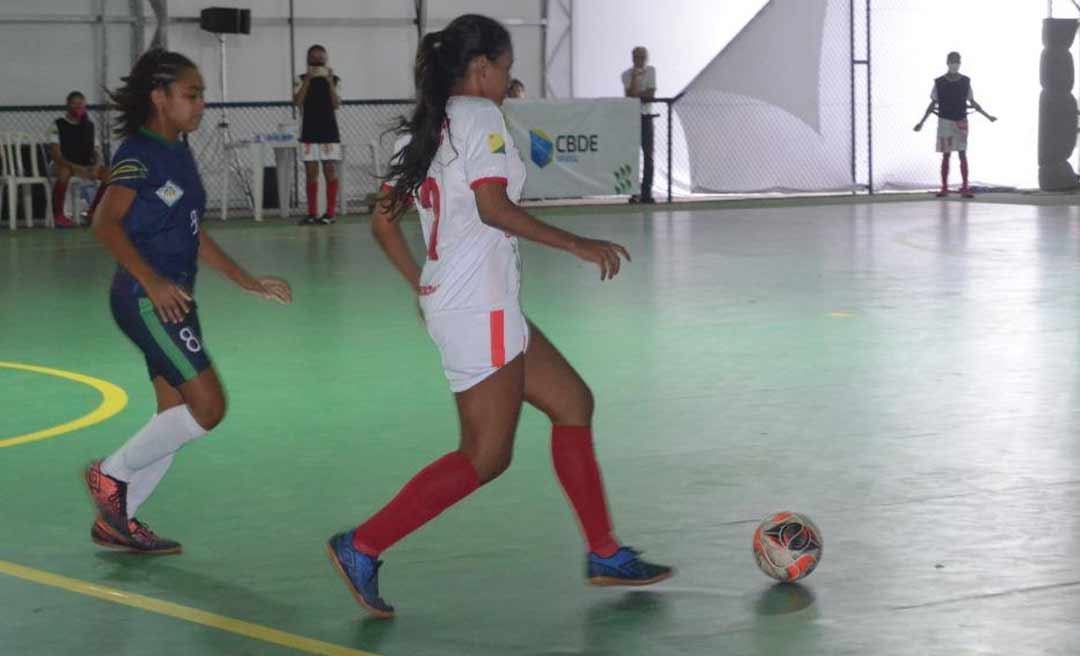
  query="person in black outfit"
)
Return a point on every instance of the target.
[
  {"x": 74, "y": 152},
  {"x": 320, "y": 141},
  {"x": 950, "y": 99}
]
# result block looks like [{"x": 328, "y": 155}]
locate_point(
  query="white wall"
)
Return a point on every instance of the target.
[
  {"x": 44, "y": 62},
  {"x": 373, "y": 62},
  {"x": 681, "y": 35},
  {"x": 999, "y": 40}
]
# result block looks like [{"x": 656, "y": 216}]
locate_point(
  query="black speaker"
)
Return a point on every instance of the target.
[{"x": 225, "y": 20}]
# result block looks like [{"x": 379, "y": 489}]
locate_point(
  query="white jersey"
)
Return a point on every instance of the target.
[{"x": 470, "y": 266}]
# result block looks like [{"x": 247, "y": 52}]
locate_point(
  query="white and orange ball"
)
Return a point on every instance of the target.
[{"x": 787, "y": 546}]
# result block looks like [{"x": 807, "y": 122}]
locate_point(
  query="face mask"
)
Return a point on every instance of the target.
[{"x": 77, "y": 114}]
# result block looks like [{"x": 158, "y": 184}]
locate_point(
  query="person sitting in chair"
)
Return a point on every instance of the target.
[{"x": 74, "y": 151}]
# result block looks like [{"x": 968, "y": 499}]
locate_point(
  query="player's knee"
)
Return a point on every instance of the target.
[
  {"x": 209, "y": 413},
  {"x": 588, "y": 404},
  {"x": 490, "y": 463},
  {"x": 495, "y": 466},
  {"x": 576, "y": 411}
]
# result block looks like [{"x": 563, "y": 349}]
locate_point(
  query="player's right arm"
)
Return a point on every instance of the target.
[
  {"x": 301, "y": 91},
  {"x": 388, "y": 234},
  {"x": 498, "y": 211},
  {"x": 633, "y": 88},
  {"x": 487, "y": 172},
  {"x": 171, "y": 302},
  {"x": 929, "y": 110}
]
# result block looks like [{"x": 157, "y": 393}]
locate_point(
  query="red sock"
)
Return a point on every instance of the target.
[
  {"x": 58, "y": 198},
  {"x": 575, "y": 465},
  {"x": 434, "y": 489},
  {"x": 945, "y": 172},
  {"x": 331, "y": 198},
  {"x": 313, "y": 198},
  {"x": 964, "y": 171}
]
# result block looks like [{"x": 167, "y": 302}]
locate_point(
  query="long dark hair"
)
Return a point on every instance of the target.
[
  {"x": 442, "y": 59},
  {"x": 157, "y": 68}
]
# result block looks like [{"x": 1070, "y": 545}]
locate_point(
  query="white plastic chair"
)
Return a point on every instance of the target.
[
  {"x": 79, "y": 192},
  {"x": 15, "y": 173}
]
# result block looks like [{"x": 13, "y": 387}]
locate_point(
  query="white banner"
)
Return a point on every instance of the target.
[{"x": 576, "y": 148}]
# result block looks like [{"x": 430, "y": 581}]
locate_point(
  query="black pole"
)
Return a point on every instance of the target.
[
  {"x": 851, "y": 34},
  {"x": 294, "y": 196},
  {"x": 869, "y": 106},
  {"x": 670, "y": 109},
  {"x": 292, "y": 50}
]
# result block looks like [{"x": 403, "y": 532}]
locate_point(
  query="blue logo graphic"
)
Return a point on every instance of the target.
[{"x": 542, "y": 148}]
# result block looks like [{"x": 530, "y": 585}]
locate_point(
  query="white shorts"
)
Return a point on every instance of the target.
[
  {"x": 475, "y": 345},
  {"x": 951, "y": 135},
  {"x": 320, "y": 152}
]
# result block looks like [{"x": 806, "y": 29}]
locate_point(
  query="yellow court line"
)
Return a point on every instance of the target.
[
  {"x": 149, "y": 604},
  {"x": 113, "y": 400}
]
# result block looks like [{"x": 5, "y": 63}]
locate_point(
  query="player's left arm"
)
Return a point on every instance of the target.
[
  {"x": 334, "y": 80},
  {"x": 648, "y": 91},
  {"x": 977, "y": 107},
  {"x": 268, "y": 287}
]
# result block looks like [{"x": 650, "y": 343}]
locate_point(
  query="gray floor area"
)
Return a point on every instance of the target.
[{"x": 902, "y": 371}]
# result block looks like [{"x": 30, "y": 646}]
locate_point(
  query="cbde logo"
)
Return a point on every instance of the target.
[
  {"x": 565, "y": 147},
  {"x": 542, "y": 148}
]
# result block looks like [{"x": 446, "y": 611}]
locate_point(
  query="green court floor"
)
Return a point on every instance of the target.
[{"x": 904, "y": 373}]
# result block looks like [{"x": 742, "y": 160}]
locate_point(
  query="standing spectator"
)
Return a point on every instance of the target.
[
  {"x": 74, "y": 151},
  {"x": 950, "y": 100},
  {"x": 320, "y": 141},
  {"x": 516, "y": 90},
  {"x": 640, "y": 82}
]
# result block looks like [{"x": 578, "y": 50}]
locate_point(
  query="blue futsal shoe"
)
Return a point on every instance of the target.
[
  {"x": 624, "y": 567},
  {"x": 361, "y": 572}
]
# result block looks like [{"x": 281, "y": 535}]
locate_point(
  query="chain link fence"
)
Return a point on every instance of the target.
[{"x": 365, "y": 127}]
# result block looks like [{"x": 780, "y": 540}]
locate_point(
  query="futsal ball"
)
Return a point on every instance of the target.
[{"x": 787, "y": 546}]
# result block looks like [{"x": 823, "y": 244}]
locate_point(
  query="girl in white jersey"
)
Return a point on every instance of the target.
[{"x": 459, "y": 164}]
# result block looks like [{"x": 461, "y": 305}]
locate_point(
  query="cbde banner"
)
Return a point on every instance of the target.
[{"x": 577, "y": 148}]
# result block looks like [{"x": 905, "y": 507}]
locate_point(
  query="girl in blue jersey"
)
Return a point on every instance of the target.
[{"x": 149, "y": 219}]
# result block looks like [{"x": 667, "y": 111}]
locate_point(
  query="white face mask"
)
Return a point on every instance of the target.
[{"x": 954, "y": 68}]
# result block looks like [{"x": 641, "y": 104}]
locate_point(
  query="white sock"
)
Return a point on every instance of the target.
[
  {"x": 143, "y": 483},
  {"x": 164, "y": 435}
]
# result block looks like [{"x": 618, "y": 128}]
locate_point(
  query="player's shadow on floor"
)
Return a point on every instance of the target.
[
  {"x": 150, "y": 574},
  {"x": 619, "y": 625},
  {"x": 783, "y": 599},
  {"x": 371, "y": 632}
]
